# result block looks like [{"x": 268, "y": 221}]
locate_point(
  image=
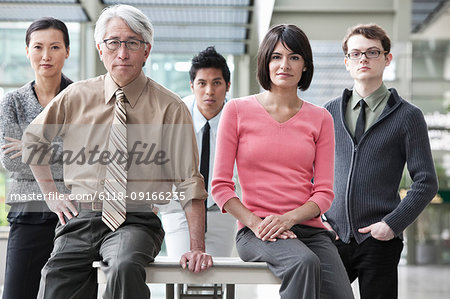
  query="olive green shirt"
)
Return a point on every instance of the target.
[{"x": 375, "y": 104}]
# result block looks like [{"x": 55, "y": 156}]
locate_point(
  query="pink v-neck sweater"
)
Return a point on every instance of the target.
[{"x": 281, "y": 166}]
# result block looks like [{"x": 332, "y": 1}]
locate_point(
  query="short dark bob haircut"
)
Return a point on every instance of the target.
[
  {"x": 293, "y": 38},
  {"x": 47, "y": 23}
]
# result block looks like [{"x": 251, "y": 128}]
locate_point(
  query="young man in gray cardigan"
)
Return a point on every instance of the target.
[{"x": 372, "y": 146}]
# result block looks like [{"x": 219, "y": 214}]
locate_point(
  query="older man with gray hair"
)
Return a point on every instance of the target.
[{"x": 129, "y": 141}]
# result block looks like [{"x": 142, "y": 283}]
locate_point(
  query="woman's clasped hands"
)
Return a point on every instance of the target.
[{"x": 274, "y": 227}]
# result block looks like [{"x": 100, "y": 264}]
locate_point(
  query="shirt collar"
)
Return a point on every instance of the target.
[
  {"x": 373, "y": 100},
  {"x": 200, "y": 121},
  {"x": 132, "y": 91}
]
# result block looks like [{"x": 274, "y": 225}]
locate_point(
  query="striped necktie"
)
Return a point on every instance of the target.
[{"x": 114, "y": 206}]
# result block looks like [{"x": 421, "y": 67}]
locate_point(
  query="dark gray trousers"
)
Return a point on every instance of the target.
[
  {"x": 309, "y": 267},
  {"x": 68, "y": 274}
]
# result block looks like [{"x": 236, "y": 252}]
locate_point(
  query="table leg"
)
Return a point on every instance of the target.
[
  {"x": 230, "y": 291},
  {"x": 170, "y": 291}
]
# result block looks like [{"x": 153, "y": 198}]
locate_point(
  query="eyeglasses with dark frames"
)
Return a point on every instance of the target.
[
  {"x": 114, "y": 44},
  {"x": 355, "y": 55}
]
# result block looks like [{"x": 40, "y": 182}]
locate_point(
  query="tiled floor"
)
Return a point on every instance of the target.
[
  {"x": 415, "y": 282},
  {"x": 424, "y": 282}
]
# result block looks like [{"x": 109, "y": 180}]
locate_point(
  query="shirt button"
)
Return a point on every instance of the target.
[{"x": 102, "y": 182}]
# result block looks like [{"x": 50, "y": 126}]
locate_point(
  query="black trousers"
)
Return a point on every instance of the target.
[
  {"x": 29, "y": 247},
  {"x": 375, "y": 264}
]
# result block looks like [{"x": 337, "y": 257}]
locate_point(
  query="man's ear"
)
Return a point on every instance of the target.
[
  {"x": 147, "y": 51},
  {"x": 192, "y": 86},
  {"x": 99, "y": 51},
  {"x": 346, "y": 62},
  {"x": 388, "y": 59},
  {"x": 228, "y": 86}
]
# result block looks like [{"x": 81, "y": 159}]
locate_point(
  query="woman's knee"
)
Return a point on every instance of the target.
[{"x": 308, "y": 261}]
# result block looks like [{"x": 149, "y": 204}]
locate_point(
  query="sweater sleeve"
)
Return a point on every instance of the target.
[
  {"x": 322, "y": 193},
  {"x": 226, "y": 149},
  {"x": 9, "y": 127},
  {"x": 421, "y": 170}
]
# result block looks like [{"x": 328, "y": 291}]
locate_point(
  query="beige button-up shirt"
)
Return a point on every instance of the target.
[{"x": 161, "y": 142}]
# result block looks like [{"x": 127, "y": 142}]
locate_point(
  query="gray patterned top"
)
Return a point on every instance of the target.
[{"x": 18, "y": 108}]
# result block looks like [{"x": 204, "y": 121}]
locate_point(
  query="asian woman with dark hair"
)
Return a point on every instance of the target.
[{"x": 32, "y": 224}]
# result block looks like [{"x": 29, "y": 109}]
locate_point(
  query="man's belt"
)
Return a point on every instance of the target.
[{"x": 95, "y": 206}]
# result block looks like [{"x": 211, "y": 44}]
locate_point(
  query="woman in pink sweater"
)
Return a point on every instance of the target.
[{"x": 284, "y": 150}]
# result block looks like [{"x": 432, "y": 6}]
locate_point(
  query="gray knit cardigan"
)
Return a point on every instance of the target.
[
  {"x": 367, "y": 175},
  {"x": 17, "y": 109}
]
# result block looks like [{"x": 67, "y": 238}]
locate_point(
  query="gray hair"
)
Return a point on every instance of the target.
[{"x": 135, "y": 19}]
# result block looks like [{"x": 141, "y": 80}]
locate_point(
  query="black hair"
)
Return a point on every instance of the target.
[
  {"x": 46, "y": 23},
  {"x": 293, "y": 38},
  {"x": 209, "y": 58}
]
